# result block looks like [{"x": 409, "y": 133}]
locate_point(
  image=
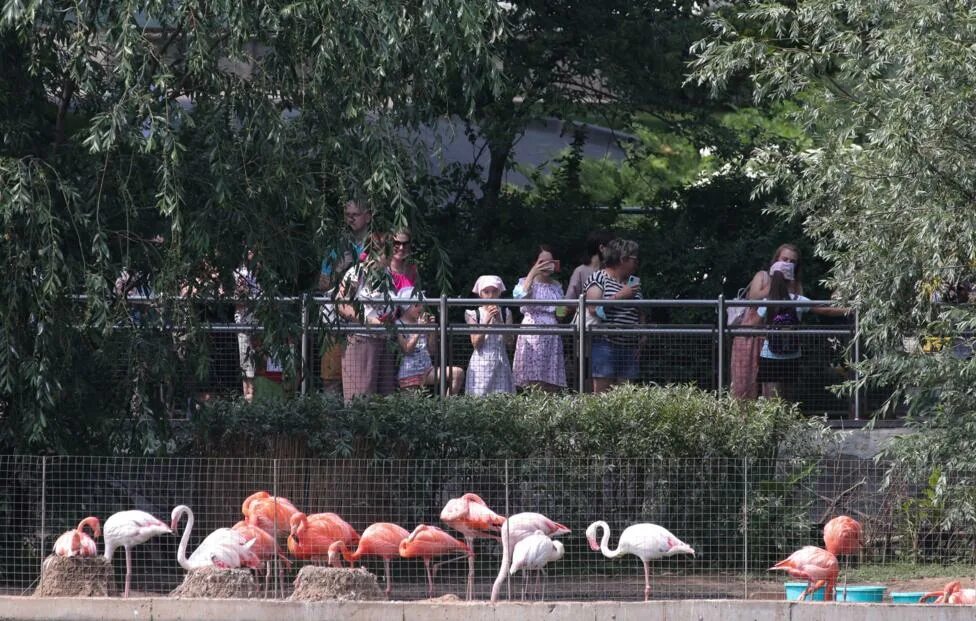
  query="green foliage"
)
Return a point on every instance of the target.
[
  {"x": 168, "y": 137},
  {"x": 886, "y": 187},
  {"x": 631, "y": 421}
]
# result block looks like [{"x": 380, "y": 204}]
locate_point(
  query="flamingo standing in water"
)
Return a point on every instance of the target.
[
  {"x": 312, "y": 535},
  {"x": 842, "y": 536},
  {"x": 224, "y": 548},
  {"x": 515, "y": 529},
  {"x": 76, "y": 542},
  {"x": 533, "y": 553},
  {"x": 381, "y": 539},
  {"x": 129, "y": 529},
  {"x": 645, "y": 541},
  {"x": 272, "y": 514},
  {"x": 952, "y": 593},
  {"x": 426, "y": 542},
  {"x": 471, "y": 516},
  {"x": 816, "y": 566}
]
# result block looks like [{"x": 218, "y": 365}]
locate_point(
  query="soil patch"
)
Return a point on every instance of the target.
[
  {"x": 74, "y": 576},
  {"x": 217, "y": 583},
  {"x": 331, "y": 583}
]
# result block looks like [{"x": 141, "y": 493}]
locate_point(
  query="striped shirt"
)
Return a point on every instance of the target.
[{"x": 616, "y": 315}]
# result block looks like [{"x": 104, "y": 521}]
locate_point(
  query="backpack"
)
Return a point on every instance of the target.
[{"x": 781, "y": 340}]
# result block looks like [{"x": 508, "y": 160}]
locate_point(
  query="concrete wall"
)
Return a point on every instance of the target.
[{"x": 113, "y": 609}]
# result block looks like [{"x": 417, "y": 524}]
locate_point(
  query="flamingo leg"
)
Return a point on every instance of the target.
[
  {"x": 812, "y": 588},
  {"x": 128, "y": 570},
  {"x": 847, "y": 566},
  {"x": 389, "y": 586},
  {"x": 430, "y": 578},
  {"x": 525, "y": 582},
  {"x": 538, "y": 583},
  {"x": 470, "y": 541},
  {"x": 647, "y": 580}
]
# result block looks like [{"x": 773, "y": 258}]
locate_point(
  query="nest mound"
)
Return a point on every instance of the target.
[
  {"x": 447, "y": 598},
  {"x": 74, "y": 576},
  {"x": 217, "y": 584},
  {"x": 315, "y": 584}
]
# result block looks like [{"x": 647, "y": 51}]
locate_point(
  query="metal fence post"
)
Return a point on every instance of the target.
[
  {"x": 443, "y": 347},
  {"x": 43, "y": 508},
  {"x": 274, "y": 527},
  {"x": 745, "y": 528},
  {"x": 581, "y": 354},
  {"x": 306, "y": 353},
  {"x": 857, "y": 365},
  {"x": 721, "y": 345}
]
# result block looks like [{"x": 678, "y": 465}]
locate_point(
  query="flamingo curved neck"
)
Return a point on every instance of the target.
[
  {"x": 185, "y": 539},
  {"x": 506, "y": 561},
  {"x": 605, "y": 541}
]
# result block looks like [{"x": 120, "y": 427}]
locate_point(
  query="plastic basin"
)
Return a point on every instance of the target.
[
  {"x": 907, "y": 597},
  {"x": 864, "y": 593},
  {"x": 795, "y": 589}
]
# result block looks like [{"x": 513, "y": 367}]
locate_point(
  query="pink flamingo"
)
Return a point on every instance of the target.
[
  {"x": 515, "y": 529},
  {"x": 842, "y": 536},
  {"x": 76, "y": 542},
  {"x": 426, "y": 542},
  {"x": 265, "y": 548},
  {"x": 471, "y": 516},
  {"x": 534, "y": 553},
  {"x": 129, "y": 529},
  {"x": 816, "y": 566},
  {"x": 312, "y": 535},
  {"x": 645, "y": 541},
  {"x": 224, "y": 548},
  {"x": 952, "y": 593},
  {"x": 381, "y": 539},
  {"x": 272, "y": 514}
]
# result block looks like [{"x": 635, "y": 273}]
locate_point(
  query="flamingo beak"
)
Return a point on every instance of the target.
[{"x": 593, "y": 544}]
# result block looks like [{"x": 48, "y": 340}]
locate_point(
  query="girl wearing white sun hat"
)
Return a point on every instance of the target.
[{"x": 489, "y": 369}]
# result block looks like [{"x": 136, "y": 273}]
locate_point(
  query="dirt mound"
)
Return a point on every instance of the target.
[
  {"x": 74, "y": 576},
  {"x": 217, "y": 584},
  {"x": 447, "y": 598},
  {"x": 329, "y": 583}
]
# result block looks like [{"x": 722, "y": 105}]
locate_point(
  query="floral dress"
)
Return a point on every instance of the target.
[{"x": 539, "y": 357}]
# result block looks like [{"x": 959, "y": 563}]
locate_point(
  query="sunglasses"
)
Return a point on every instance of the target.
[{"x": 401, "y": 244}]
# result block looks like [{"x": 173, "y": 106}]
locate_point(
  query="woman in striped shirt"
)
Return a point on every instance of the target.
[{"x": 614, "y": 358}]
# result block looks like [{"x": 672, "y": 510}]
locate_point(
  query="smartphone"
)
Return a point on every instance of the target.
[
  {"x": 555, "y": 265},
  {"x": 633, "y": 281}
]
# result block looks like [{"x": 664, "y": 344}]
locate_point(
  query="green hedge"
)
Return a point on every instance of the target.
[{"x": 631, "y": 421}]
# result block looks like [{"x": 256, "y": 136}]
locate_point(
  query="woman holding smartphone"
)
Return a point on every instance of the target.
[
  {"x": 615, "y": 359},
  {"x": 539, "y": 357}
]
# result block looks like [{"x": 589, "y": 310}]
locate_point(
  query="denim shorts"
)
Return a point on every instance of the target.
[{"x": 612, "y": 360}]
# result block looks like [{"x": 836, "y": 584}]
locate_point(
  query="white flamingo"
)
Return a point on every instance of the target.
[
  {"x": 645, "y": 541},
  {"x": 515, "y": 529},
  {"x": 224, "y": 548},
  {"x": 128, "y": 529},
  {"x": 533, "y": 553}
]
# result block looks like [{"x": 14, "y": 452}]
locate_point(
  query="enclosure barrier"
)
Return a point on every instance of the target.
[
  {"x": 740, "y": 515},
  {"x": 677, "y": 341}
]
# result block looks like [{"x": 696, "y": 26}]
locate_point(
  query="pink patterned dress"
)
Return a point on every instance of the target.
[{"x": 539, "y": 357}]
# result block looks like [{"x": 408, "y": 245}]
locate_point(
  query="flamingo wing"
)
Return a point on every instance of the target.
[{"x": 429, "y": 541}]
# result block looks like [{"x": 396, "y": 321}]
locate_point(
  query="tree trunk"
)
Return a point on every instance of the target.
[{"x": 499, "y": 150}]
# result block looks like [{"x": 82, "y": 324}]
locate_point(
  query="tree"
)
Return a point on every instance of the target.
[
  {"x": 165, "y": 138},
  {"x": 887, "y": 189}
]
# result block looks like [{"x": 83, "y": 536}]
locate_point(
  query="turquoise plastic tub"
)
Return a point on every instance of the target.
[
  {"x": 795, "y": 589},
  {"x": 907, "y": 598},
  {"x": 864, "y": 593}
]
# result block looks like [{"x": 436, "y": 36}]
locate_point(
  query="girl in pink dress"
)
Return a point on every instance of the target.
[{"x": 539, "y": 357}]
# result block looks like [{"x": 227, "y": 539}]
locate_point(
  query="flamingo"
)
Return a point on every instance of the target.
[
  {"x": 224, "y": 548},
  {"x": 533, "y": 553},
  {"x": 264, "y": 548},
  {"x": 427, "y": 542},
  {"x": 76, "y": 542},
  {"x": 515, "y": 529},
  {"x": 815, "y": 565},
  {"x": 471, "y": 516},
  {"x": 381, "y": 539},
  {"x": 272, "y": 514},
  {"x": 952, "y": 593},
  {"x": 312, "y": 535},
  {"x": 645, "y": 541},
  {"x": 842, "y": 536},
  {"x": 129, "y": 529}
]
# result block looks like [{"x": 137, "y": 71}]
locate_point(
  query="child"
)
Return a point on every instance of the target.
[
  {"x": 489, "y": 369},
  {"x": 416, "y": 368}
]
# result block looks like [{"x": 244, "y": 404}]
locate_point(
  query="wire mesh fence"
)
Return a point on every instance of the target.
[
  {"x": 461, "y": 346},
  {"x": 739, "y": 515}
]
